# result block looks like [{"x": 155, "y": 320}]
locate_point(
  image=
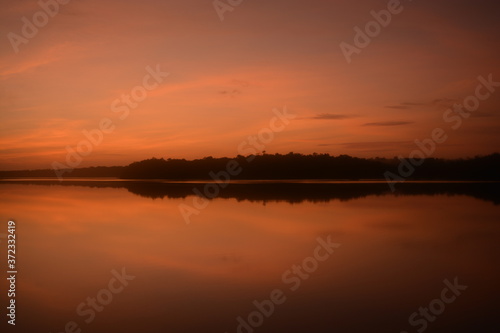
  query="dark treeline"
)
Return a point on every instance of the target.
[
  {"x": 315, "y": 166},
  {"x": 290, "y": 166}
]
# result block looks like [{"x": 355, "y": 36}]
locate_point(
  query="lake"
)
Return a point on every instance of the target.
[{"x": 112, "y": 256}]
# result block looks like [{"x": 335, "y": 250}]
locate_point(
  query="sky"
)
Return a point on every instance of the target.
[{"x": 225, "y": 78}]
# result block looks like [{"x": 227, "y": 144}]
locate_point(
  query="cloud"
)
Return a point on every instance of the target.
[
  {"x": 411, "y": 103},
  {"x": 331, "y": 116},
  {"x": 389, "y": 148},
  {"x": 402, "y": 107},
  {"x": 478, "y": 114},
  {"x": 229, "y": 92},
  {"x": 377, "y": 146},
  {"x": 389, "y": 123},
  {"x": 241, "y": 83},
  {"x": 45, "y": 57},
  {"x": 444, "y": 101},
  {"x": 236, "y": 88}
]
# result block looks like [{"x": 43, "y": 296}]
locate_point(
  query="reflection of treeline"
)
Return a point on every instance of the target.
[
  {"x": 288, "y": 166},
  {"x": 317, "y": 192},
  {"x": 290, "y": 192}
]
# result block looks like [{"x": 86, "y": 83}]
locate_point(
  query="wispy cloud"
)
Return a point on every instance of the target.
[
  {"x": 443, "y": 101},
  {"x": 404, "y": 105},
  {"x": 236, "y": 88},
  {"x": 231, "y": 93},
  {"x": 331, "y": 116},
  {"x": 401, "y": 107},
  {"x": 411, "y": 104},
  {"x": 478, "y": 114},
  {"x": 389, "y": 123},
  {"x": 376, "y": 146},
  {"x": 241, "y": 83}
]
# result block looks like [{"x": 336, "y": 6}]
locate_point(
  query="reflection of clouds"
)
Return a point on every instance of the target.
[{"x": 235, "y": 249}]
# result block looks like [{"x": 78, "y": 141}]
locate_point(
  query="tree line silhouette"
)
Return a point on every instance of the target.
[{"x": 286, "y": 166}]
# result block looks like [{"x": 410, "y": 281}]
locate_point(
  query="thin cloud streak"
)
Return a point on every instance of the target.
[
  {"x": 330, "y": 116},
  {"x": 389, "y": 123}
]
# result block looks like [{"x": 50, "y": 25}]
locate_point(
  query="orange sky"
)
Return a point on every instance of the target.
[{"x": 227, "y": 76}]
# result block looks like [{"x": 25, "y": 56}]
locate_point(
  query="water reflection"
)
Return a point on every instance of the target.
[
  {"x": 290, "y": 192},
  {"x": 396, "y": 251}
]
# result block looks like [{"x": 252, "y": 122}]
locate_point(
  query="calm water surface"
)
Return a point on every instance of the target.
[{"x": 395, "y": 253}]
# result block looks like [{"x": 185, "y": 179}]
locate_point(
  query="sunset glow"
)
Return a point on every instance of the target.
[{"x": 226, "y": 77}]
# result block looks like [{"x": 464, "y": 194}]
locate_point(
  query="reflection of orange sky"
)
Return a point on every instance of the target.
[
  {"x": 70, "y": 238},
  {"x": 243, "y": 242},
  {"x": 225, "y": 78}
]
